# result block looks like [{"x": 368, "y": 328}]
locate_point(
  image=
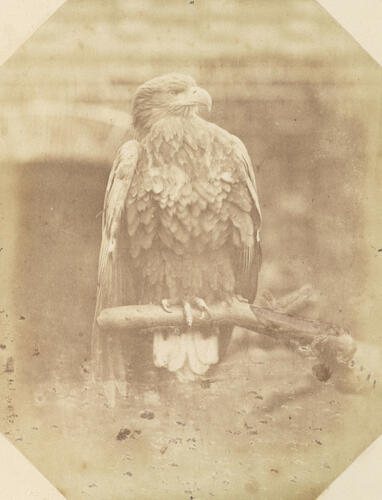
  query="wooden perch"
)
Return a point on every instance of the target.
[
  {"x": 259, "y": 319},
  {"x": 331, "y": 344}
]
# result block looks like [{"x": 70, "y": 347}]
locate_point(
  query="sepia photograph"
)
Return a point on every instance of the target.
[{"x": 189, "y": 249}]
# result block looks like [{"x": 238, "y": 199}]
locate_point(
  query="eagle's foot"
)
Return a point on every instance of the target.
[
  {"x": 197, "y": 302},
  {"x": 202, "y": 306},
  {"x": 166, "y": 304},
  {"x": 187, "y": 311}
]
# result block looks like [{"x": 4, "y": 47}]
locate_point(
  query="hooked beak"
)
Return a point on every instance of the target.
[{"x": 200, "y": 97}]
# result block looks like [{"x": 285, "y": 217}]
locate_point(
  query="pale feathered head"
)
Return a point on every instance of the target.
[{"x": 172, "y": 94}]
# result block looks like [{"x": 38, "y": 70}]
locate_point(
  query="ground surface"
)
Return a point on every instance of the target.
[{"x": 262, "y": 426}]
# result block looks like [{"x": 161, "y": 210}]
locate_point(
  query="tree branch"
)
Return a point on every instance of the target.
[{"x": 331, "y": 344}]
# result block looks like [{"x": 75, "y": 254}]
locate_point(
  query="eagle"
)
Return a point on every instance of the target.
[{"x": 180, "y": 226}]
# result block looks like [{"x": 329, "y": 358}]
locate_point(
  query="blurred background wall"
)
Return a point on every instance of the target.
[{"x": 284, "y": 77}]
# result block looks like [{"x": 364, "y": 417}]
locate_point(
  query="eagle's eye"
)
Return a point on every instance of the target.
[{"x": 175, "y": 91}]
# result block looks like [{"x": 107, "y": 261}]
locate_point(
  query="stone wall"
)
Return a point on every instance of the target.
[{"x": 97, "y": 51}]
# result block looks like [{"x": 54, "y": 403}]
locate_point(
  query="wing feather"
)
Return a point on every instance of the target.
[
  {"x": 247, "y": 169},
  {"x": 118, "y": 185},
  {"x": 115, "y": 279},
  {"x": 247, "y": 266}
]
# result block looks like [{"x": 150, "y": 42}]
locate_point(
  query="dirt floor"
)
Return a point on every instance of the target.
[{"x": 261, "y": 426}]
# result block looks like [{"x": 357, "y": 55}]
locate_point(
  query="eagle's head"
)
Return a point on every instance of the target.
[{"x": 167, "y": 95}]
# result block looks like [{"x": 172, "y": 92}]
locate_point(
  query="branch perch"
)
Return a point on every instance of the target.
[{"x": 331, "y": 344}]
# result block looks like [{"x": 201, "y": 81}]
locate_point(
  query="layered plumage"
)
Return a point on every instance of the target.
[{"x": 181, "y": 221}]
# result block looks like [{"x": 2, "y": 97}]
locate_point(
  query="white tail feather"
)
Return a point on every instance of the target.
[{"x": 189, "y": 350}]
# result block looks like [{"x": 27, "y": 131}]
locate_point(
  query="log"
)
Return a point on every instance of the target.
[{"x": 331, "y": 344}]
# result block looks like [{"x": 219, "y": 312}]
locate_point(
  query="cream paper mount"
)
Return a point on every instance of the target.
[{"x": 271, "y": 420}]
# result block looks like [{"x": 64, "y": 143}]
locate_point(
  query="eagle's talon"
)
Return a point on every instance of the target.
[
  {"x": 187, "y": 313},
  {"x": 202, "y": 306},
  {"x": 166, "y": 305}
]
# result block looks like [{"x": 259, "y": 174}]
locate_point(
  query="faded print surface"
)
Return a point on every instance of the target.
[{"x": 304, "y": 99}]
